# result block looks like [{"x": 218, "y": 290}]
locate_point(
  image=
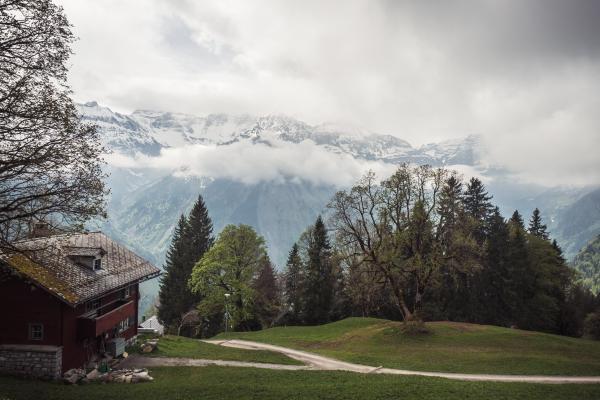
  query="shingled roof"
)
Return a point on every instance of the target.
[{"x": 48, "y": 263}]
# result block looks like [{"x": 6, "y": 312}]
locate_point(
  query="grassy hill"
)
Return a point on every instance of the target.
[
  {"x": 182, "y": 347},
  {"x": 450, "y": 347}
]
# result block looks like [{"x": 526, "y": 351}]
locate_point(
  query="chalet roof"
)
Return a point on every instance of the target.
[{"x": 47, "y": 262}]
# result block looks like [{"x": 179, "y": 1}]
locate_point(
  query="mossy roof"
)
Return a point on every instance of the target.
[{"x": 47, "y": 262}]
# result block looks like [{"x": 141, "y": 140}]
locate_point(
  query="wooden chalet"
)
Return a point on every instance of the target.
[{"x": 65, "y": 299}]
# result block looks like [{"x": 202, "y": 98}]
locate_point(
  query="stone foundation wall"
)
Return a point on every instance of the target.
[{"x": 31, "y": 360}]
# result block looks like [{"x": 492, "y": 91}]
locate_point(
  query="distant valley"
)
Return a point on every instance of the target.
[{"x": 146, "y": 202}]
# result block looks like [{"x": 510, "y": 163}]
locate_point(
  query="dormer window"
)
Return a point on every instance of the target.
[{"x": 88, "y": 257}]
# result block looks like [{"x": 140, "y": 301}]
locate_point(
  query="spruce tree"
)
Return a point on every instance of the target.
[
  {"x": 319, "y": 281},
  {"x": 516, "y": 221},
  {"x": 536, "y": 227},
  {"x": 522, "y": 281},
  {"x": 450, "y": 208},
  {"x": 171, "y": 294},
  {"x": 191, "y": 239},
  {"x": 494, "y": 289},
  {"x": 266, "y": 301},
  {"x": 478, "y": 206},
  {"x": 198, "y": 239},
  {"x": 294, "y": 284}
]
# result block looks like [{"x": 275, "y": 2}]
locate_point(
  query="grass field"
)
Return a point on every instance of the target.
[
  {"x": 450, "y": 347},
  {"x": 177, "y": 346},
  {"x": 248, "y": 383}
]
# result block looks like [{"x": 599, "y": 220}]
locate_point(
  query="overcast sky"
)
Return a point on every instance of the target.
[{"x": 524, "y": 74}]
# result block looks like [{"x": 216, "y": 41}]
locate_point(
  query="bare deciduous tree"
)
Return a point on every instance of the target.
[
  {"x": 50, "y": 163},
  {"x": 394, "y": 228}
]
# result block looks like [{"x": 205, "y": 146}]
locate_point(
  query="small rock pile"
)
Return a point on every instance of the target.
[
  {"x": 76, "y": 375},
  {"x": 149, "y": 346}
]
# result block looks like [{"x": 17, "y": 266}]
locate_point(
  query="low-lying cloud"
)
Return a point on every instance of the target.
[{"x": 252, "y": 163}]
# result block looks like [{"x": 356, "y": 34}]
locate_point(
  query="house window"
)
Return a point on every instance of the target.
[
  {"x": 97, "y": 264},
  {"x": 125, "y": 293},
  {"x": 36, "y": 332},
  {"x": 124, "y": 325},
  {"x": 93, "y": 305}
]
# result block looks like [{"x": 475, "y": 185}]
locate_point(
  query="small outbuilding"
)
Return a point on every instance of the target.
[{"x": 152, "y": 326}]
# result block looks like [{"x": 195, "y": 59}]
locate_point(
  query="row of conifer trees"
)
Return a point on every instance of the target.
[{"x": 518, "y": 277}]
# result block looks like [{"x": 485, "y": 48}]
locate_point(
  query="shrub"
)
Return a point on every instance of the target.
[{"x": 591, "y": 326}]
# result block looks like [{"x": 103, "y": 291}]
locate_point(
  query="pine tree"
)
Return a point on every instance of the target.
[
  {"x": 522, "y": 280},
  {"x": 494, "y": 288},
  {"x": 191, "y": 239},
  {"x": 171, "y": 294},
  {"x": 294, "y": 284},
  {"x": 198, "y": 239},
  {"x": 319, "y": 281},
  {"x": 516, "y": 221},
  {"x": 266, "y": 302},
  {"x": 450, "y": 208},
  {"x": 478, "y": 206},
  {"x": 536, "y": 227}
]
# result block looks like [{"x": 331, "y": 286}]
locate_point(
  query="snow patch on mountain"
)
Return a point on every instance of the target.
[{"x": 150, "y": 133}]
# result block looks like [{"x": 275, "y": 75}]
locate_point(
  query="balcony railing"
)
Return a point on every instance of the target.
[{"x": 108, "y": 318}]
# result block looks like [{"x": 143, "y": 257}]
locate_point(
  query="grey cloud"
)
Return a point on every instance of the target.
[{"x": 517, "y": 72}]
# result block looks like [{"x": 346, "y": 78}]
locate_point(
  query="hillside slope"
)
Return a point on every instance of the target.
[
  {"x": 450, "y": 347},
  {"x": 587, "y": 262}
]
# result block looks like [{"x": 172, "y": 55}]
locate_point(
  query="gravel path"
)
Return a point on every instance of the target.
[
  {"x": 317, "y": 362},
  {"x": 135, "y": 361}
]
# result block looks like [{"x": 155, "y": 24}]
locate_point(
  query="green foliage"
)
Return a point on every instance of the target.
[
  {"x": 293, "y": 287},
  {"x": 191, "y": 239},
  {"x": 318, "y": 276},
  {"x": 587, "y": 262},
  {"x": 536, "y": 227},
  {"x": 592, "y": 326},
  {"x": 212, "y": 383},
  {"x": 230, "y": 267},
  {"x": 313, "y": 280},
  {"x": 267, "y": 303},
  {"x": 173, "y": 281}
]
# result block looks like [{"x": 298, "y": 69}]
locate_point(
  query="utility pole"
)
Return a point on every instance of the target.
[{"x": 227, "y": 310}]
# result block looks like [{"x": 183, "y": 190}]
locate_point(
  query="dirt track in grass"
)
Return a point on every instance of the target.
[{"x": 316, "y": 362}]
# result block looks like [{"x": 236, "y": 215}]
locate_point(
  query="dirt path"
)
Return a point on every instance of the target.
[
  {"x": 318, "y": 362},
  {"x": 135, "y": 361}
]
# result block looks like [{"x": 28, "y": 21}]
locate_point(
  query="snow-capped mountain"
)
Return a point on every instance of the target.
[
  {"x": 147, "y": 132},
  {"x": 146, "y": 203}
]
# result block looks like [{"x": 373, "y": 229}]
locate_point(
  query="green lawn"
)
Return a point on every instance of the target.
[
  {"x": 177, "y": 346},
  {"x": 248, "y": 383},
  {"x": 450, "y": 347}
]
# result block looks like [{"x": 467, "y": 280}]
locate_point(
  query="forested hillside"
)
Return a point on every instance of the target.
[{"x": 587, "y": 262}]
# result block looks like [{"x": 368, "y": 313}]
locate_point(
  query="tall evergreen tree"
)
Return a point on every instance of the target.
[
  {"x": 450, "y": 208},
  {"x": 494, "y": 289},
  {"x": 293, "y": 284},
  {"x": 174, "y": 282},
  {"x": 267, "y": 299},
  {"x": 192, "y": 238},
  {"x": 198, "y": 235},
  {"x": 319, "y": 280},
  {"x": 536, "y": 227},
  {"x": 516, "y": 221},
  {"x": 522, "y": 282},
  {"x": 478, "y": 206}
]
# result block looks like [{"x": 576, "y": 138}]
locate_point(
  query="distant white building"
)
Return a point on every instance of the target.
[{"x": 151, "y": 325}]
